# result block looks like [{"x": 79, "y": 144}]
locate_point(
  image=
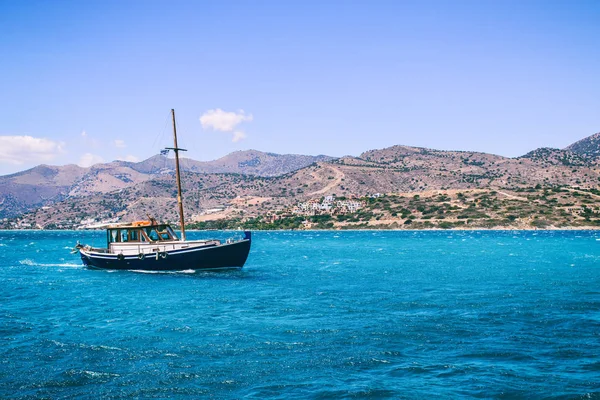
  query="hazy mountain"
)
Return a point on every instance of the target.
[
  {"x": 36, "y": 187},
  {"x": 253, "y": 162},
  {"x": 247, "y": 162},
  {"x": 45, "y": 184}
]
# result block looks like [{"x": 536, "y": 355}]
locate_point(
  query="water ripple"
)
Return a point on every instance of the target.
[{"x": 312, "y": 315}]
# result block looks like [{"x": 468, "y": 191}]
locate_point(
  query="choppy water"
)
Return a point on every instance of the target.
[{"x": 312, "y": 315}]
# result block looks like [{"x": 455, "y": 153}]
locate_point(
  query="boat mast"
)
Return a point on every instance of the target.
[{"x": 178, "y": 175}]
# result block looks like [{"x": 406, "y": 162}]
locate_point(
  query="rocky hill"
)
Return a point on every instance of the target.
[
  {"x": 253, "y": 162},
  {"x": 546, "y": 155},
  {"x": 45, "y": 185},
  {"x": 588, "y": 147},
  {"x": 247, "y": 162},
  {"x": 125, "y": 191},
  {"x": 36, "y": 187}
]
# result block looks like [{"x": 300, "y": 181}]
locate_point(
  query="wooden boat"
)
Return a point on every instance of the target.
[{"x": 153, "y": 246}]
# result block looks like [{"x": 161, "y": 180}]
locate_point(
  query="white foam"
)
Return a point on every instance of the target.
[
  {"x": 141, "y": 271},
  {"x": 32, "y": 263},
  {"x": 185, "y": 271},
  {"x": 380, "y": 361},
  {"x": 94, "y": 374},
  {"x": 108, "y": 347}
]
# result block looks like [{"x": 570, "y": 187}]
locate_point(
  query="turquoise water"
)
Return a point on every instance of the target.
[{"x": 311, "y": 315}]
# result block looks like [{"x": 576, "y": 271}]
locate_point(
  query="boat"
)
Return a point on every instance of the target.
[{"x": 150, "y": 245}]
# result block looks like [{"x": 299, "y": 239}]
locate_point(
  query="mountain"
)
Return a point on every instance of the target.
[
  {"x": 250, "y": 182},
  {"x": 396, "y": 169},
  {"x": 44, "y": 184},
  {"x": 247, "y": 162},
  {"x": 588, "y": 147},
  {"x": 550, "y": 156},
  {"x": 36, "y": 187},
  {"x": 253, "y": 162}
]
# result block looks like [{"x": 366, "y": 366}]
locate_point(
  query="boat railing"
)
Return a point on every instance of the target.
[
  {"x": 206, "y": 242},
  {"x": 154, "y": 247},
  {"x": 95, "y": 249}
]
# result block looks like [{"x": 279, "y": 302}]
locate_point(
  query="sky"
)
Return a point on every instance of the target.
[{"x": 94, "y": 81}]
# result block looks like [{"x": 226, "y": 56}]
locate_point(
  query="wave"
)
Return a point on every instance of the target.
[
  {"x": 91, "y": 374},
  {"x": 30, "y": 262},
  {"x": 141, "y": 271}
]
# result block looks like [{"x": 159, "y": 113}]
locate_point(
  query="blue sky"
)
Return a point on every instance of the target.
[{"x": 86, "y": 81}]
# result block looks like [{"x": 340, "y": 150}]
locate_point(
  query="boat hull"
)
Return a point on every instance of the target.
[{"x": 229, "y": 255}]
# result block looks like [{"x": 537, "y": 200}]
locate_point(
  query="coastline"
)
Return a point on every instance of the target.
[
  {"x": 526, "y": 209},
  {"x": 371, "y": 229}
]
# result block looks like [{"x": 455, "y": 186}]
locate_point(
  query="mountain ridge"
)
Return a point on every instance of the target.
[
  {"x": 587, "y": 147},
  {"x": 284, "y": 179},
  {"x": 45, "y": 184}
]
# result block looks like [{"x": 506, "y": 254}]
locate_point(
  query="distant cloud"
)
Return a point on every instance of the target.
[
  {"x": 129, "y": 158},
  {"x": 119, "y": 144},
  {"x": 89, "y": 159},
  {"x": 19, "y": 150},
  {"x": 238, "y": 135},
  {"x": 226, "y": 121},
  {"x": 89, "y": 141}
]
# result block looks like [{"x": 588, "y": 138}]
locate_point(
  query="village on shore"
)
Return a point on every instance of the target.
[{"x": 522, "y": 209}]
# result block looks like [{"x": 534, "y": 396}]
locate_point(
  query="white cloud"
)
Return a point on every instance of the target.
[
  {"x": 89, "y": 159},
  {"x": 238, "y": 135},
  {"x": 89, "y": 141},
  {"x": 226, "y": 121},
  {"x": 223, "y": 121},
  {"x": 128, "y": 157},
  {"x": 19, "y": 150},
  {"x": 119, "y": 144}
]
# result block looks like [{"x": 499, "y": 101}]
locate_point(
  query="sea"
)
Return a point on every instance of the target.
[{"x": 312, "y": 315}]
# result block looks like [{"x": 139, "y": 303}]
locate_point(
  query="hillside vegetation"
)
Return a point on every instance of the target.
[{"x": 454, "y": 189}]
